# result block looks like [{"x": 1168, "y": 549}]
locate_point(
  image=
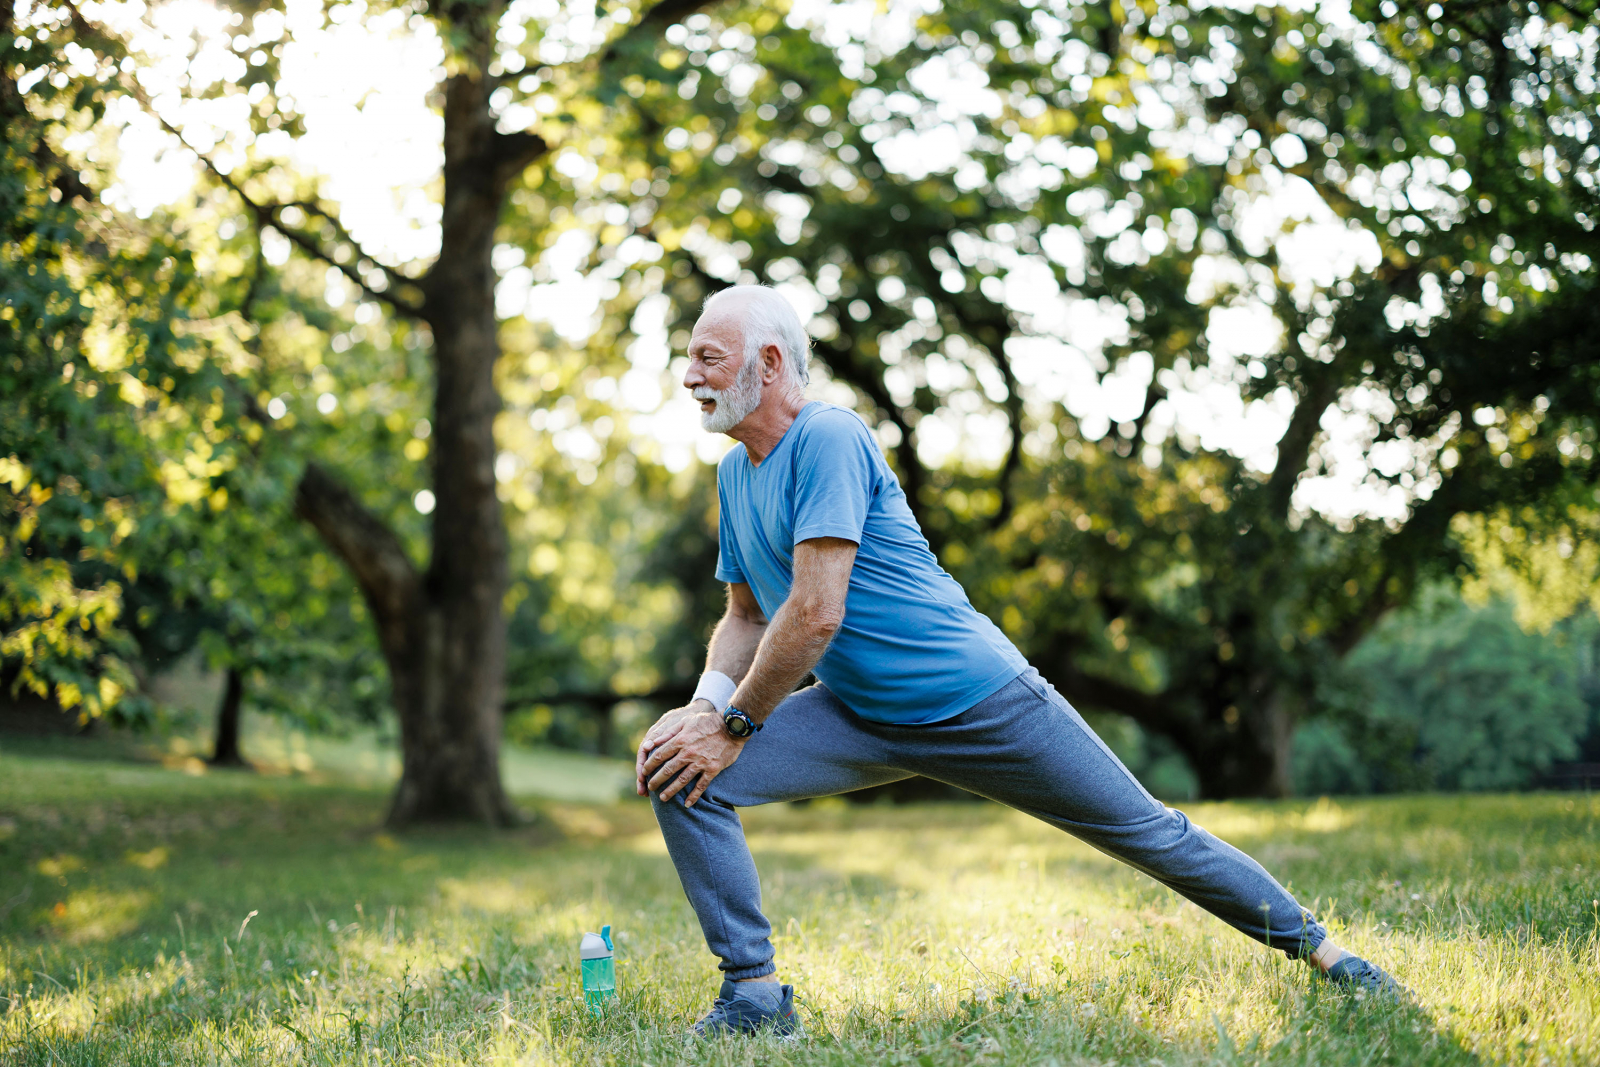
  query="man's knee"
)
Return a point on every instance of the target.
[{"x": 677, "y": 810}]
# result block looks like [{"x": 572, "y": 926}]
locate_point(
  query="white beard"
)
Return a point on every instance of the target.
[{"x": 734, "y": 402}]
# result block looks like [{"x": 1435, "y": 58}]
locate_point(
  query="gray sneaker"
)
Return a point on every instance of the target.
[
  {"x": 1356, "y": 974},
  {"x": 734, "y": 1013}
]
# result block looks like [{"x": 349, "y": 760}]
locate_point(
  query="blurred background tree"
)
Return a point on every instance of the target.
[
  {"x": 1445, "y": 696},
  {"x": 1202, "y": 340},
  {"x": 143, "y": 517},
  {"x": 1034, "y": 230},
  {"x": 442, "y": 631}
]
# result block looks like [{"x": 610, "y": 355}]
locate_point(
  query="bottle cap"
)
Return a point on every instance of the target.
[{"x": 594, "y": 947}]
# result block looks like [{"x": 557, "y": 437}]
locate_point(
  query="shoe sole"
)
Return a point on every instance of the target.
[{"x": 793, "y": 1035}]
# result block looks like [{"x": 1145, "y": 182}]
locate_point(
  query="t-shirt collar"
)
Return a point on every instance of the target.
[{"x": 800, "y": 416}]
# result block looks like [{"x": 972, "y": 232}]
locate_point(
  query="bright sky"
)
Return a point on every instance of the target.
[{"x": 362, "y": 84}]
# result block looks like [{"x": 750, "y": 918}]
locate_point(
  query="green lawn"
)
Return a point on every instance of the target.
[
  {"x": 362, "y": 757},
  {"x": 962, "y": 934}
]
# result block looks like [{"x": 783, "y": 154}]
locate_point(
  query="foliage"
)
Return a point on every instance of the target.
[
  {"x": 154, "y": 917},
  {"x": 145, "y": 509},
  {"x": 88, "y": 345},
  {"x": 1118, "y": 173},
  {"x": 1446, "y": 696},
  {"x": 1403, "y": 202},
  {"x": 1546, "y": 562}
]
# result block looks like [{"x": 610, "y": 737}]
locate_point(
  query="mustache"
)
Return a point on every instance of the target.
[{"x": 705, "y": 392}]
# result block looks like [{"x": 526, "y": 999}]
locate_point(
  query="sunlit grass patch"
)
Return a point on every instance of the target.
[
  {"x": 960, "y": 934},
  {"x": 97, "y": 914}
]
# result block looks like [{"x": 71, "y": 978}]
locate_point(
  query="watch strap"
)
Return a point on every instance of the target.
[{"x": 731, "y": 715}]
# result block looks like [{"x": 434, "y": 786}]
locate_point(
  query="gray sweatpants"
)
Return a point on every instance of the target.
[{"x": 1024, "y": 746}]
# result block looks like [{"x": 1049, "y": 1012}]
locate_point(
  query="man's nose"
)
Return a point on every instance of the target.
[{"x": 694, "y": 377}]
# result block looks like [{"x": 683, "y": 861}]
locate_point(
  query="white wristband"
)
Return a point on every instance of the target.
[{"x": 717, "y": 688}]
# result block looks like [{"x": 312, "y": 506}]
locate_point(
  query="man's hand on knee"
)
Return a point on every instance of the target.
[
  {"x": 687, "y": 746},
  {"x": 665, "y": 727}
]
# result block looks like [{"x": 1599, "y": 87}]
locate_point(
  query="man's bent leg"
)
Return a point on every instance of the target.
[
  {"x": 811, "y": 746},
  {"x": 1025, "y": 746}
]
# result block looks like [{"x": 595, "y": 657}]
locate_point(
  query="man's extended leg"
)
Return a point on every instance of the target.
[
  {"x": 811, "y": 746},
  {"x": 1025, "y": 746}
]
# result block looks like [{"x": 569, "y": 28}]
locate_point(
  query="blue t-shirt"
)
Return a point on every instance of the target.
[{"x": 912, "y": 648}]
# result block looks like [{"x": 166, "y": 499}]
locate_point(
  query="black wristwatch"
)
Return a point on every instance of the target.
[{"x": 738, "y": 724}]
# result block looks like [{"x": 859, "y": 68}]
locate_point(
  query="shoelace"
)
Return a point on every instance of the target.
[
  {"x": 1382, "y": 978},
  {"x": 719, "y": 1011},
  {"x": 1362, "y": 972}
]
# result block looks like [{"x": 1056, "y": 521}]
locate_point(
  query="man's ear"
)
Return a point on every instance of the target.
[{"x": 771, "y": 362}]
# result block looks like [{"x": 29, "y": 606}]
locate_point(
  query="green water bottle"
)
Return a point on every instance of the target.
[{"x": 599, "y": 969}]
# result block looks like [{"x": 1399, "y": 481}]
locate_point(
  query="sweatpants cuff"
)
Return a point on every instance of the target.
[
  {"x": 1310, "y": 941},
  {"x": 740, "y": 974}
]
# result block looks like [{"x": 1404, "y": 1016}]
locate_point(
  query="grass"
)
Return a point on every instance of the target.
[
  {"x": 363, "y": 756},
  {"x": 150, "y": 916}
]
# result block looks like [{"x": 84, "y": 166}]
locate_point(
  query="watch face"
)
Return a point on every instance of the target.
[{"x": 737, "y": 725}]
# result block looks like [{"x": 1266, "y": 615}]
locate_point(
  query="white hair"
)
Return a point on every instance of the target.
[{"x": 769, "y": 319}]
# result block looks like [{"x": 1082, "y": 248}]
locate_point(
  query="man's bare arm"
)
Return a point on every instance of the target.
[
  {"x": 801, "y": 630},
  {"x": 733, "y": 648},
  {"x": 738, "y": 634},
  {"x": 690, "y": 745}
]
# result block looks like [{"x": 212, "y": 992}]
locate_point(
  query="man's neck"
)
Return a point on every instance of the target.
[{"x": 764, "y": 427}]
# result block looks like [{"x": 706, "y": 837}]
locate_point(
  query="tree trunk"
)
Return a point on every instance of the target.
[
  {"x": 225, "y": 749},
  {"x": 444, "y": 633},
  {"x": 449, "y": 742},
  {"x": 450, "y": 730},
  {"x": 449, "y": 739},
  {"x": 1246, "y": 751},
  {"x": 1239, "y": 746}
]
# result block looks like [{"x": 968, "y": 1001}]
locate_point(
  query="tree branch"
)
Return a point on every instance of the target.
[
  {"x": 395, "y": 279},
  {"x": 1377, "y": 603},
  {"x": 990, "y": 325},
  {"x": 604, "y": 699},
  {"x": 267, "y": 214},
  {"x": 1153, "y": 395},
  {"x": 653, "y": 21},
  {"x": 869, "y": 380},
  {"x": 388, "y": 578},
  {"x": 987, "y": 323},
  {"x": 272, "y": 215},
  {"x": 1013, "y": 461},
  {"x": 1294, "y": 448},
  {"x": 514, "y": 151}
]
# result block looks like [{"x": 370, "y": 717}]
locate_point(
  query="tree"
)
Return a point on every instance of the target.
[
  {"x": 225, "y": 747},
  {"x": 246, "y": 588},
  {"x": 441, "y": 628},
  {"x": 84, "y": 303},
  {"x": 1112, "y": 169},
  {"x": 143, "y": 509},
  {"x": 1500, "y": 389},
  {"x": 1446, "y": 696},
  {"x": 1104, "y": 199}
]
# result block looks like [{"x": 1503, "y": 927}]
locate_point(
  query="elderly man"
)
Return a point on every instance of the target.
[{"x": 828, "y": 573}]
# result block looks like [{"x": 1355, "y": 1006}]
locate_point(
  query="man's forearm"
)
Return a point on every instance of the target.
[
  {"x": 769, "y": 658},
  {"x": 793, "y": 643},
  {"x": 733, "y": 645}
]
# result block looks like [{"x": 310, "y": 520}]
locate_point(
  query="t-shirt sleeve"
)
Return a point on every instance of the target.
[{"x": 836, "y": 476}]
